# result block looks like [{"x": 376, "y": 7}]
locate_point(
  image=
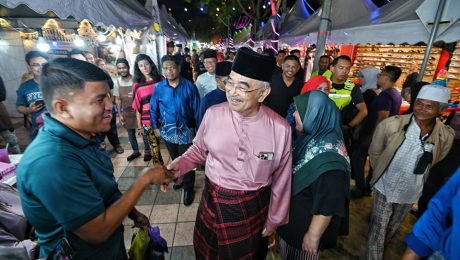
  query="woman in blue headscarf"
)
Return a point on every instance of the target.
[{"x": 321, "y": 181}]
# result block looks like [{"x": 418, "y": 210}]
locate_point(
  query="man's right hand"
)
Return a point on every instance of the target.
[
  {"x": 158, "y": 175},
  {"x": 156, "y": 132},
  {"x": 34, "y": 107}
]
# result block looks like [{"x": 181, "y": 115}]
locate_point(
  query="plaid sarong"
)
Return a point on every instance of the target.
[{"x": 229, "y": 223}]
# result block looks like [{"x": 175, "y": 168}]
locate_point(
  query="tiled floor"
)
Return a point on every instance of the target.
[
  {"x": 164, "y": 210},
  {"x": 176, "y": 221}
]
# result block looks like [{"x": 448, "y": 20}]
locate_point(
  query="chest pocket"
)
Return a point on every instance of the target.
[{"x": 261, "y": 164}]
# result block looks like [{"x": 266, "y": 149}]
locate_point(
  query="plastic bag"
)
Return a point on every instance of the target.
[
  {"x": 158, "y": 245},
  {"x": 139, "y": 245}
]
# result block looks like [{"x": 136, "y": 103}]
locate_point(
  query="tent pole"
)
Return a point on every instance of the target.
[
  {"x": 323, "y": 31},
  {"x": 433, "y": 33}
]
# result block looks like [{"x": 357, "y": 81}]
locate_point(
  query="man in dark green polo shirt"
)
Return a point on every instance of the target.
[{"x": 65, "y": 178}]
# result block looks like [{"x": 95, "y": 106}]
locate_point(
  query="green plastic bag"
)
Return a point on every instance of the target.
[{"x": 139, "y": 245}]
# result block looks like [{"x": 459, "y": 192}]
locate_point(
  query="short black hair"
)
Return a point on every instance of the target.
[
  {"x": 291, "y": 57},
  {"x": 280, "y": 52},
  {"x": 341, "y": 57},
  {"x": 325, "y": 56},
  {"x": 64, "y": 75},
  {"x": 34, "y": 54},
  {"x": 294, "y": 51},
  {"x": 186, "y": 49},
  {"x": 76, "y": 52},
  {"x": 169, "y": 58},
  {"x": 394, "y": 72},
  {"x": 122, "y": 60}
]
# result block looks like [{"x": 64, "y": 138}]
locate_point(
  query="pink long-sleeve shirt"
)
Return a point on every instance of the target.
[{"x": 232, "y": 147}]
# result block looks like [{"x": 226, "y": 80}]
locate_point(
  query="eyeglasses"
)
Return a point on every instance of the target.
[{"x": 243, "y": 91}]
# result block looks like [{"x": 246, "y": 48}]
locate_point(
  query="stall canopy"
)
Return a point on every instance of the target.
[
  {"x": 171, "y": 28},
  {"x": 360, "y": 21},
  {"x": 119, "y": 13}
]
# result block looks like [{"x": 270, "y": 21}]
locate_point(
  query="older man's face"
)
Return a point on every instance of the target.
[
  {"x": 243, "y": 94},
  {"x": 426, "y": 109}
]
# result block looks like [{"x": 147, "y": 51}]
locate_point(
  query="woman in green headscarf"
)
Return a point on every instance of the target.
[{"x": 321, "y": 181}]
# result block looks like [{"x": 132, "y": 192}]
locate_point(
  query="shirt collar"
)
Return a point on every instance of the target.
[
  {"x": 58, "y": 129},
  {"x": 259, "y": 114}
]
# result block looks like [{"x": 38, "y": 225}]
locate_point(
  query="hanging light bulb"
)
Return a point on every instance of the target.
[
  {"x": 78, "y": 41},
  {"x": 118, "y": 40},
  {"x": 42, "y": 45}
]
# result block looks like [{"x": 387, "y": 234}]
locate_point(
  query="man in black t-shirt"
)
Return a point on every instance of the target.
[{"x": 284, "y": 86}]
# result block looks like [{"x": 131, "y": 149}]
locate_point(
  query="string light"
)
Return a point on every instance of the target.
[
  {"x": 78, "y": 41},
  {"x": 42, "y": 44}
]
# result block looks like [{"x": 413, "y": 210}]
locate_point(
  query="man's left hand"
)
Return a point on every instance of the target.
[{"x": 140, "y": 220}]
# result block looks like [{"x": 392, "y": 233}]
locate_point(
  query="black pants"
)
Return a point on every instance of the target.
[
  {"x": 176, "y": 150},
  {"x": 112, "y": 134}
]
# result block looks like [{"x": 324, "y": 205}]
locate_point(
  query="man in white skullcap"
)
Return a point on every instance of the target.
[{"x": 403, "y": 150}]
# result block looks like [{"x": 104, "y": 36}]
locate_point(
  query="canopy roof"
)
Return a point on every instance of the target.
[
  {"x": 171, "y": 28},
  {"x": 360, "y": 21},
  {"x": 119, "y": 13}
]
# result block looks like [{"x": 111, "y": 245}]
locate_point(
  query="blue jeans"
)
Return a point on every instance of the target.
[{"x": 133, "y": 141}]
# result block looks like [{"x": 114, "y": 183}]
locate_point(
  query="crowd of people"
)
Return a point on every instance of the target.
[{"x": 278, "y": 153}]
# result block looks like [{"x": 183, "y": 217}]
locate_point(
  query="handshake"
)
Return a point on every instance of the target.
[{"x": 161, "y": 175}]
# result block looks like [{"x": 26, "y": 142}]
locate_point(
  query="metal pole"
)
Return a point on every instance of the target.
[
  {"x": 323, "y": 31},
  {"x": 433, "y": 33}
]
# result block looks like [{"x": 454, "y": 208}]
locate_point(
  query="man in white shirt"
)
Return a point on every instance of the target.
[{"x": 206, "y": 82}]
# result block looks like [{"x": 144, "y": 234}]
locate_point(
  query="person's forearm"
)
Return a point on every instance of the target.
[
  {"x": 410, "y": 255},
  {"x": 101, "y": 227},
  {"x": 358, "y": 119},
  {"x": 139, "y": 119},
  {"x": 24, "y": 110},
  {"x": 118, "y": 103},
  {"x": 318, "y": 225}
]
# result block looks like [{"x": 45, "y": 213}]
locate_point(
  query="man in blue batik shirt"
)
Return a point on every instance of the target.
[{"x": 176, "y": 103}]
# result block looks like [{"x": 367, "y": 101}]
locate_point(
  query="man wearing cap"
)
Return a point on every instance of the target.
[
  {"x": 247, "y": 151},
  {"x": 206, "y": 82},
  {"x": 218, "y": 95},
  {"x": 170, "y": 48},
  {"x": 402, "y": 151}
]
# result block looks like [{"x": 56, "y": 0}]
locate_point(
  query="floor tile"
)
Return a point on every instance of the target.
[
  {"x": 167, "y": 231},
  {"x": 125, "y": 183},
  {"x": 148, "y": 198},
  {"x": 183, "y": 253},
  {"x": 170, "y": 197},
  {"x": 187, "y": 213},
  {"x": 184, "y": 234},
  {"x": 138, "y": 162},
  {"x": 119, "y": 162},
  {"x": 164, "y": 213},
  {"x": 133, "y": 171},
  {"x": 118, "y": 171}
]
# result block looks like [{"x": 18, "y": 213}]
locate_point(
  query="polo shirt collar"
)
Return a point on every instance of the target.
[{"x": 60, "y": 130}]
